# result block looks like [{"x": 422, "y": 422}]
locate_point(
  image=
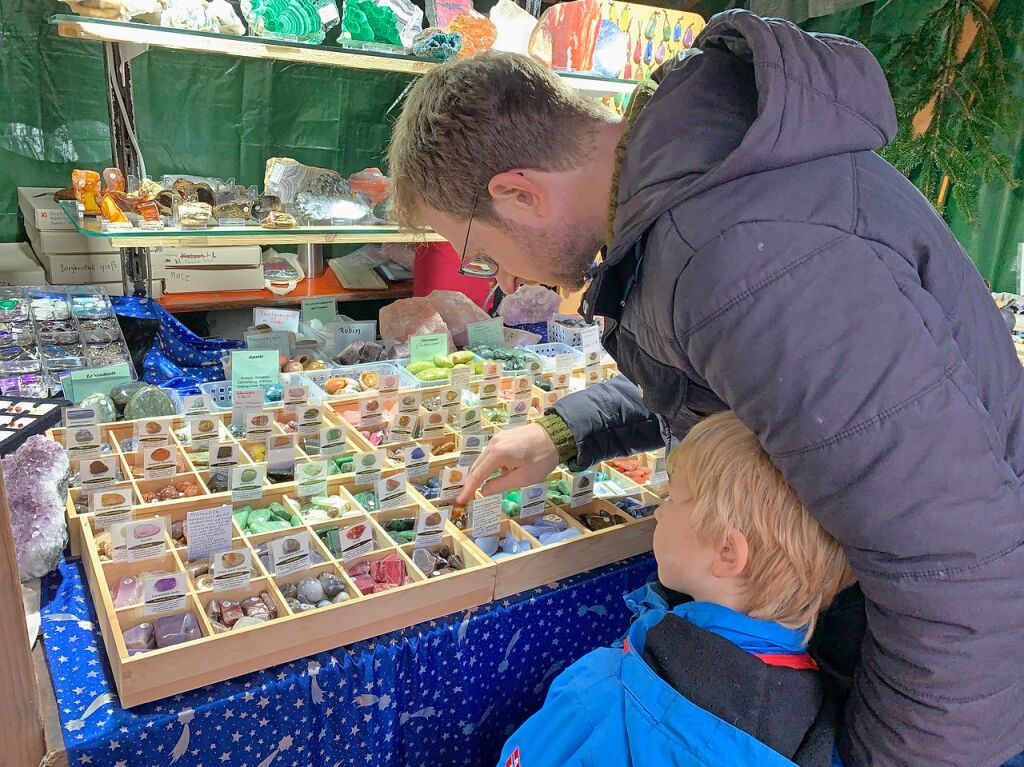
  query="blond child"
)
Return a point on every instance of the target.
[{"x": 720, "y": 676}]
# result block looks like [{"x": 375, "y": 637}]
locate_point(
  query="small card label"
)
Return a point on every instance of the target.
[
  {"x": 409, "y": 402},
  {"x": 391, "y": 492},
  {"x": 296, "y": 395},
  {"x": 582, "y": 491},
  {"x": 143, "y": 538},
  {"x": 110, "y": 507},
  {"x": 659, "y": 477},
  {"x": 209, "y": 531},
  {"x": 243, "y": 401},
  {"x": 564, "y": 363},
  {"x": 309, "y": 418},
  {"x": 492, "y": 371},
  {"x": 469, "y": 419},
  {"x": 368, "y": 467},
  {"x": 416, "y": 459},
  {"x": 387, "y": 382},
  {"x": 333, "y": 441},
  {"x": 451, "y": 398},
  {"x": 522, "y": 387},
  {"x": 196, "y": 404},
  {"x": 223, "y": 455},
  {"x": 489, "y": 393},
  {"x": 323, "y": 309},
  {"x": 433, "y": 424},
  {"x": 85, "y": 415},
  {"x": 430, "y": 525},
  {"x": 203, "y": 429},
  {"x": 231, "y": 569},
  {"x": 590, "y": 339},
  {"x": 311, "y": 478},
  {"x": 159, "y": 462},
  {"x": 281, "y": 454},
  {"x": 290, "y": 553},
  {"x": 371, "y": 411},
  {"x": 532, "y": 499},
  {"x": 472, "y": 446},
  {"x": 152, "y": 432},
  {"x": 356, "y": 541},
  {"x": 98, "y": 472},
  {"x": 258, "y": 424},
  {"x": 247, "y": 482},
  {"x": 519, "y": 412},
  {"x": 453, "y": 479},
  {"x": 560, "y": 382},
  {"x": 164, "y": 593},
  {"x": 485, "y": 515},
  {"x": 403, "y": 427},
  {"x": 460, "y": 377}
]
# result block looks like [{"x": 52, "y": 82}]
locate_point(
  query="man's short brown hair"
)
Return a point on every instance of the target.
[{"x": 467, "y": 120}]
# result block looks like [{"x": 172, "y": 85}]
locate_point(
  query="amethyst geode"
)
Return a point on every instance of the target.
[{"x": 35, "y": 477}]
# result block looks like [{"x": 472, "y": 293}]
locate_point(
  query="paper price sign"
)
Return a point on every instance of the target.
[
  {"x": 485, "y": 515},
  {"x": 430, "y": 526},
  {"x": 151, "y": 432},
  {"x": 427, "y": 347},
  {"x": 472, "y": 446},
  {"x": 245, "y": 400},
  {"x": 203, "y": 429},
  {"x": 469, "y": 419},
  {"x": 276, "y": 319},
  {"x": 354, "y": 541},
  {"x": 387, "y": 382},
  {"x": 519, "y": 411},
  {"x": 312, "y": 478},
  {"x": 333, "y": 441},
  {"x": 110, "y": 507},
  {"x": 403, "y": 426},
  {"x": 209, "y": 531},
  {"x": 323, "y": 309},
  {"x": 309, "y": 419},
  {"x": 417, "y": 460},
  {"x": 140, "y": 539},
  {"x": 564, "y": 363},
  {"x": 347, "y": 333},
  {"x": 371, "y": 411},
  {"x": 489, "y": 393},
  {"x": 252, "y": 370},
  {"x": 159, "y": 462},
  {"x": 451, "y": 398},
  {"x": 391, "y": 492},
  {"x": 433, "y": 425},
  {"x": 247, "y": 482},
  {"x": 492, "y": 371},
  {"x": 296, "y": 394},
  {"x": 258, "y": 424},
  {"x": 196, "y": 404},
  {"x": 487, "y": 333},
  {"x": 289, "y": 554},
  {"x": 410, "y": 403},
  {"x": 582, "y": 491},
  {"x": 522, "y": 386},
  {"x": 532, "y": 499},
  {"x": 164, "y": 593},
  {"x": 231, "y": 569},
  {"x": 590, "y": 338},
  {"x": 223, "y": 455},
  {"x": 277, "y": 341},
  {"x": 98, "y": 472},
  {"x": 659, "y": 477},
  {"x": 460, "y": 377},
  {"x": 80, "y": 416},
  {"x": 368, "y": 467},
  {"x": 453, "y": 479}
]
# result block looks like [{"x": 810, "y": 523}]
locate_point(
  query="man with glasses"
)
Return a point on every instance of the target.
[{"x": 759, "y": 256}]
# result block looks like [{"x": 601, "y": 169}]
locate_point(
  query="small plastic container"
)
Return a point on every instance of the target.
[{"x": 548, "y": 352}]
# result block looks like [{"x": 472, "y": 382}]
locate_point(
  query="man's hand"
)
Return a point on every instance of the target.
[{"x": 524, "y": 456}]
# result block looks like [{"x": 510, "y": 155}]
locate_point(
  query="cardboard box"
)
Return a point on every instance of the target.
[
  {"x": 66, "y": 242},
  {"x": 39, "y": 209},
  {"x": 162, "y": 259},
  {"x": 190, "y": 279},
  {"x": 81, "y": 268},
  {"x": 117, "y": 289},
  {"x": 18, "y": 265}
]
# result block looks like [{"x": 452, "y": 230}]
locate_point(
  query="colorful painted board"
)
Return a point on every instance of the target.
[{"x": 653, "y": 36}]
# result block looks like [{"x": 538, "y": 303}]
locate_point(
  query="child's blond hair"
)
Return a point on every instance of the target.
[{"x": 794, "y": 568}]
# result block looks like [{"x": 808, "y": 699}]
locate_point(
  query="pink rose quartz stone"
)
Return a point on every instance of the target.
[
  {"x": 409, "y": 317},
  {"x": 457, "y": 311}
]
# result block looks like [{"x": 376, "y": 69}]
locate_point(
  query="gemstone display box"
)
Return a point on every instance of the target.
[{"x": 463, "y": 575}]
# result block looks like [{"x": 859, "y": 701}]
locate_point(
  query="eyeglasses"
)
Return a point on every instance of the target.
[{"x": 480, "y": 265}]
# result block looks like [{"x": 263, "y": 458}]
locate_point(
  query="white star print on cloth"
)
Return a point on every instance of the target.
[{"x": 445, "y": 692}]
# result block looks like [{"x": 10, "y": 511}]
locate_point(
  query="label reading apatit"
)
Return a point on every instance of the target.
[
  {"x": 152, "y": 432},
  {"x": 159, "y": 462},
  {"x": 430, "y": 524},
  {"x": 403, "y": 427},
  {"x": 391, "y": 492},
  {"x": 110, "y": 506},
  {"x": 416, "y": 459},
  {"x": 247, "y": 482},
  {"x": 453, "y": 479},
  {"x": 582, "y": 491},
  {"x": 141, "y": 538},
  {"x": 164, "y": 593},
  {"x": 368, "y": 467},
  {"x": 489, "y": 393},
  {"x": 485, "y": 515},
  {"x": 519, "y": 411},
  {"x": 223, "y": 455},
  {"x": 289, "y": 554},
  {"x": 98, "y": 472},
  {"x": 371, "y": 411},
  {"x": 83, "y": 441},
  {"x": 333, "y": 441},
  {"x": 409, "y": 403},
  {"x": 311, "y": 478},
  {"x": 433, "y": 424},
  {"x": 231, "y": 569},
  {"x": 203, "y": 429},
  {"x": 532, "y": 499},
  {"x": 472, "y": 446}
]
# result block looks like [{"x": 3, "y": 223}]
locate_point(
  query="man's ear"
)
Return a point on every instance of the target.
[
  {"x": 731, "y": 557},
  {"x": 518, "y": 197}
]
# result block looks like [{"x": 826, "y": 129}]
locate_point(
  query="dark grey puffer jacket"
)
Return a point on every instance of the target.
[{"x": 765, "y": 259}]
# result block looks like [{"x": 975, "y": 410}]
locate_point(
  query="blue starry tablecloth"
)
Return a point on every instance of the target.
[{"x": 447, "y": 692}]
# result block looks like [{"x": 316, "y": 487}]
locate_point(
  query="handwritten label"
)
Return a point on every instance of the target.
[
  {"x": 460, "y": 377},
  {"x": 428, "y": 346},
  {"x": 276, "y": 319},
  {"x": 209, "y": 531},
  {"x": 323, "y": 309},
  {"x": 347, "y": 333},
  {"x": 277, "y": 341},
  {"x": 485, "y": 515},
  {"x": 489, "y": 333}
]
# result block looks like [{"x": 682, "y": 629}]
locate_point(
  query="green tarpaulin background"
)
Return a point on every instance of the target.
[{"x": 220, "y": 116}]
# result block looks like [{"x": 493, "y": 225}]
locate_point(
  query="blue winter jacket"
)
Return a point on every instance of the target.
[
  {"x": 766, "y": 260},
  {"x": 612, "y": 708}
]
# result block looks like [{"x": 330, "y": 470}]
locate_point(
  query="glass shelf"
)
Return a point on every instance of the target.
[
  {"x": 243, "y": 235},
  {"x": 103, "y": 30}
]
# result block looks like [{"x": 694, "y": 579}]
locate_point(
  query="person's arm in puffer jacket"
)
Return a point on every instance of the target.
[
  {"x": 845, "y": 367},
  {"x": 607, "y": 420}
]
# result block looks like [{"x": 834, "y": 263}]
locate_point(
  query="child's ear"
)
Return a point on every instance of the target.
[{"x": 731, "y": 557}]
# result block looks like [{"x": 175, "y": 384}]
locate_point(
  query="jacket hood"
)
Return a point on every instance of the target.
[{"x": 753, "y": 95}]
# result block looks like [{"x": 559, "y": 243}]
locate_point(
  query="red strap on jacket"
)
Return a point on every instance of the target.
[{"x": 801, "y": 661}]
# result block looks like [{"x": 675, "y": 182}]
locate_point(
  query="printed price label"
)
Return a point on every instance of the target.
[
  {"x": 83, "y": 415},
  {"x": 356, "y": 541},
  {"x": 309, "y": 418},
  {"x": 659, "y": 477},
  {"x": 387, "y": 382},
  {"x": 391, "y": 492},
  {"x": 231, "y": 569},
  {"x": 258, "y": 424},
  {"x": 333, "y": 441},
  {"x": 453, "y": 479},
  {"x": 489, "y": 393},
  {"x": 98, "y": 472},
  {"x": 451, "y": 398},
  {"x": 110, "y": 507},
  {"x": 152, "y": 432},
  {"x": 472, "y": 446},
  {"x": 519, "y": 412},
  {"x": 582, "y": 491},
  {"x": 492, "y": 371},
  {"x": 430, "y": 526},
  {"x": 296, "y": 394},
  {"x": 469, "y": 419},
  {"x": 247, "y": 482},
  {"x": 403, "y": 427},
  {"x": 409, "y": 402},
  {"x": 196, "y": 404},
  {"x": 164, "y": 593},
  {"x": 368, "y": 467},
  {"x": 312, "y": 478},
  {"x": 460, "y": 378},
  {"x": 417, "y": 460},
  {"x": 203, "y": 429},
  {"x": 433, "y": 424},
  {"x": 289, "y": 554},
  {"x": 140, "y": 538},
  {"x": 532, "y": 499},
  {"x": 223, "y": 455},
  {"x": 371, "y": 411},
  {"x": 159, "y": 462}
]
